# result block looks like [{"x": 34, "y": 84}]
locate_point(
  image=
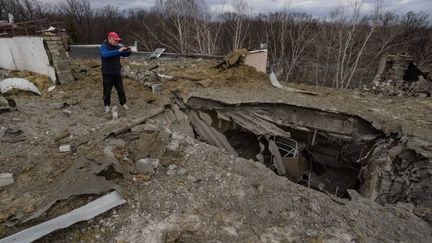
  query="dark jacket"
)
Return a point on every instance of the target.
[{"x": 110, "y": 57}]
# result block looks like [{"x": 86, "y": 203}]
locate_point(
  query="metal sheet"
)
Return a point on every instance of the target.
[
  {"x": 86, "y": 212},
  {"x": 157, "y": 53}
]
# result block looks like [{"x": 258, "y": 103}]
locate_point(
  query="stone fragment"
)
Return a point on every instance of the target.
[
  {"x": 157, "y": 88},
  {"x": 6, "y": 179},
  {"x": 171, "y": 172},
  {"x": 65, "y": 148},
  {"x": 172, "y": 146},
  {"x": 67, "y": 112},
  {"x": 115, "y": 113},
  {"x": 56, "y": 106},
  {"x": 145, "y": 166},
  {"x": 192, "y": 178},
  {"x": 181, "y": 172}
]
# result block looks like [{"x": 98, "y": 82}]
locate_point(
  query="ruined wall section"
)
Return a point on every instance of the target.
[
  {"x": 58, "y": 57},
  {"x": 25, "y": 53},
  {"x": 399, "y": 76},
  {"x": 396, "y": 173}
]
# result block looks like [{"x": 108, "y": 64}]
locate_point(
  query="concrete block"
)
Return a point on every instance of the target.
[
  {"x": 6, "y": 179},
  {"x": 147, "y": 165},
  {"x": 65, "y": 148}
]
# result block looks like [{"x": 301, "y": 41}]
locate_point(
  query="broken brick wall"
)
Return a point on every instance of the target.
[
  {"x": 398, "y": 75},
  {"x": 57, "y": 54}
]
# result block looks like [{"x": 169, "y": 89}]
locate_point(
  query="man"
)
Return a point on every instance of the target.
[{"x": 111, "y": 50}]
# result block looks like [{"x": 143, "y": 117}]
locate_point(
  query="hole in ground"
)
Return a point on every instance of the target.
[{"x": 315, "y": 159}]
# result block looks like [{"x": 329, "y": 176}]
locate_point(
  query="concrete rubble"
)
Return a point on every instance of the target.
[{"x": 218, "y": 155}]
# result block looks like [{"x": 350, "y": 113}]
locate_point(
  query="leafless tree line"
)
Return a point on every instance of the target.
[{"x": 341, "y": 50}]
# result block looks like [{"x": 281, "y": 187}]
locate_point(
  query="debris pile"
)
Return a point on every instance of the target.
[
  {"x": 399, "y": 76},
  {"x": 214, "y": 156}
]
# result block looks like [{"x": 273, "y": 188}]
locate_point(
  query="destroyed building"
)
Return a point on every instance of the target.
[
  {"x": 399, "y": 76},
  {"x": 213, "y": 149}
]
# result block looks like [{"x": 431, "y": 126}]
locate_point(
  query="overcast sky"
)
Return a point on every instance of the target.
[{"x": 314, "y": 7}]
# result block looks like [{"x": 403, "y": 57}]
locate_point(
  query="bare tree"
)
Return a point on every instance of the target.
[
  {"x": 108, "y": 18},
  {"x": 347, "y": 34},
  {"x": 237, "y": 23},
  {"x": 288, "y": 35},
  {"x": 79, "y": 14},
  {"x": 176, "y": 22},
  {"x": 206, "y": 32},
  {"x": 25, "y": 10}
]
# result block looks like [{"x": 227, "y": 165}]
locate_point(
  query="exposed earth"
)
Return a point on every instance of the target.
[{"x": 198, "y": 192}]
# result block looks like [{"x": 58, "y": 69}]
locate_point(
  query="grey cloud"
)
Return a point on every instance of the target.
[{"x": 314, "y": 7}]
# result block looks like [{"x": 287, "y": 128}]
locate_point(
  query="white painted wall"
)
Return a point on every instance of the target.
[
  {"x": 6, "y": 58},
  {"x": 25, "y": 53}
]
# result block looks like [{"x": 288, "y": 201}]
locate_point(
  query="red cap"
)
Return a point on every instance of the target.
[{"x": 114, "y": 35}]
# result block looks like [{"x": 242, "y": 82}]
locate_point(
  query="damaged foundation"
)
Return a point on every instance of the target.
[
  {"x": 329, "y": 152},
  {"x": 317, "y": 149}
]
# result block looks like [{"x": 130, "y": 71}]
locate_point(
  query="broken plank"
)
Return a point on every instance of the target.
[{"x": 114, "y": 129}]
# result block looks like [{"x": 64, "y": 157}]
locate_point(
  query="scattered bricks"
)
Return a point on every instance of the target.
[
  {"x": 65, "y": 148},
  {"x": 6, "y": 179},
  {"x": 59, "y": 59}
]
